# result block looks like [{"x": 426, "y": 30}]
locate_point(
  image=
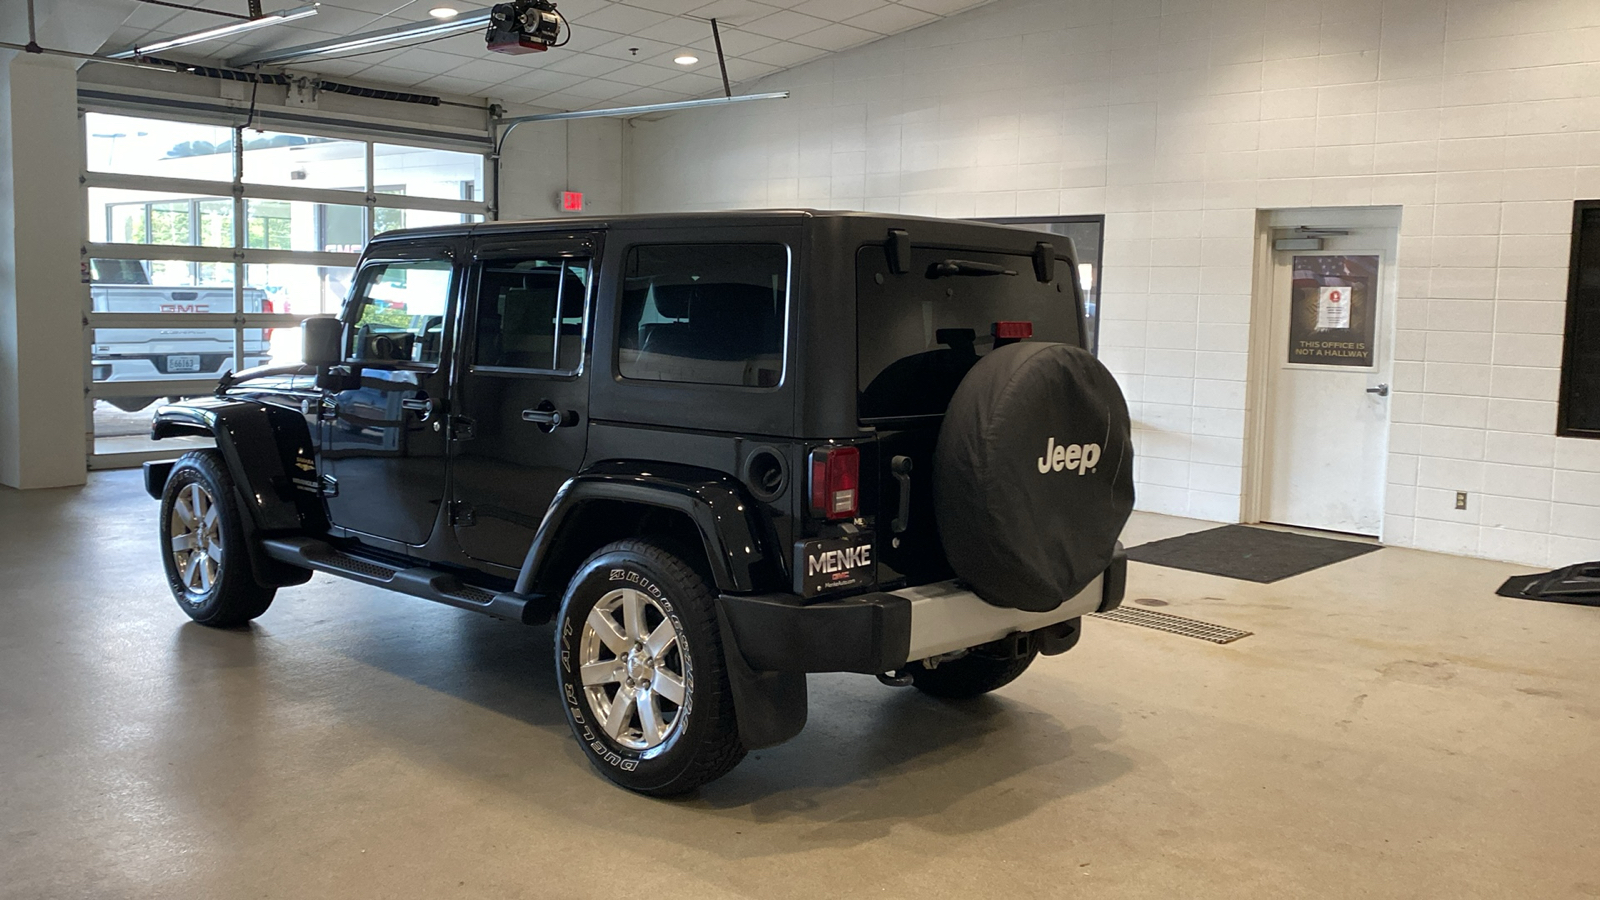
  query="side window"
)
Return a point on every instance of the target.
[
  {"x": 399, "y": 309},
  {"x": 531, "y": 314},
  {"x": 704, "y": 313}
]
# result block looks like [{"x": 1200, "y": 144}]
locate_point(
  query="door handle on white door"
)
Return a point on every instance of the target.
[{"x": 1381, "y": 390}]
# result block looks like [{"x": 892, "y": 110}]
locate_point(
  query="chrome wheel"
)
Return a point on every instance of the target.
[
  {"x": 196, "y": 538},
  {"x": 633, "y": 669}
]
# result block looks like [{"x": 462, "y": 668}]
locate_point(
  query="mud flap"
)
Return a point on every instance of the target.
[{"x": 771, "y": 706}]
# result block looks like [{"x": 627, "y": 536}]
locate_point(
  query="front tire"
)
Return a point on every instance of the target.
[
  {"x": 204, "y": 553},
  {"x": 639, "y": 662},
  {"x": 970, "y": 676}
]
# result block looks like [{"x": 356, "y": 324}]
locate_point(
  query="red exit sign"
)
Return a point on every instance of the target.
[{"x": 572, "y": 201}]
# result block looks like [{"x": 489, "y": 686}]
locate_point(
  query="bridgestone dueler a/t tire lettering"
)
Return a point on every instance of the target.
[
  {"x": 673, "y": 748},
  {"x": 203, "y": 544}
]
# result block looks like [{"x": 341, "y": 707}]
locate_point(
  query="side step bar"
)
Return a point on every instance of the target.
[{"x": 418, "y": 581}]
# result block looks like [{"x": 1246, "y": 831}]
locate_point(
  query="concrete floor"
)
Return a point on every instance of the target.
[{"x": 1392, "y": 729}]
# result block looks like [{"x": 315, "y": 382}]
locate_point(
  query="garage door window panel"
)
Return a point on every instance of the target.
[
  {"x": 160, "y": 286},
  {"x": 157, "y": 148},
  {"x": 304, "y": 161}
]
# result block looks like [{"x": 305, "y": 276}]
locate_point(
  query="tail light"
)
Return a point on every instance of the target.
[
  {"x": 835, "y": 482},
  {"x": 266, "y": 307}
]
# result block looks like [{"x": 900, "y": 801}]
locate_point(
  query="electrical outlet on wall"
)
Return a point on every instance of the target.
[{"x": 1461, "y": 499}]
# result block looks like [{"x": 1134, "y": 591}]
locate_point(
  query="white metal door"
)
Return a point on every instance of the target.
[{"x": 1328, "y": 383}]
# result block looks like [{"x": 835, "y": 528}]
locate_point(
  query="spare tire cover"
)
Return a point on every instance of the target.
[{"x": 1033, "y": 474}]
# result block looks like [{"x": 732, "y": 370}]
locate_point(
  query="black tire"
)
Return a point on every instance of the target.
[
  {"x": 225, "y": 595},
  {"x": 971, "y": 675},
  {"x": 700, "y": 743}
]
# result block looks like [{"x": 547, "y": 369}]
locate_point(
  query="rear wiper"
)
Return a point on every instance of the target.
[{"x": 966, "y": 267}]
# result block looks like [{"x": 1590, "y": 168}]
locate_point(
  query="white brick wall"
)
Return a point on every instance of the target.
[{"x": 1178, "y": 119}]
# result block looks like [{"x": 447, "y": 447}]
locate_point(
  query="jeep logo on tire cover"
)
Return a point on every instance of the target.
[{"x": 1080, "y": 458}]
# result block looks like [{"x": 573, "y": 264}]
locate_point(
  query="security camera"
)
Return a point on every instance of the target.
[{"x": 524, "y": 26}]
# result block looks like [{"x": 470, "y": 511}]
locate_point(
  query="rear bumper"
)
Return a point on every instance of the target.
[{"x": 881, "y": 632}]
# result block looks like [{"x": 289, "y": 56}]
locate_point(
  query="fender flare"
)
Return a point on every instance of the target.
[
  {"x": 248, "y": 443},
  {"x": 725, "y": 519},
  {"x": 248, "y": 440}
]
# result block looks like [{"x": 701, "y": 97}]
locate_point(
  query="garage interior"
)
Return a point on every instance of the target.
[{"x": 1383, "y": 725}]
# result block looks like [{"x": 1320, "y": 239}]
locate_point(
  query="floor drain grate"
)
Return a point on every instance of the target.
[{"x": 1205, "y": 631}]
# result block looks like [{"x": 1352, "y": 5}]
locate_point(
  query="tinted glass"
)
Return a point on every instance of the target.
[
  {"x": 704, "y": 313},
  {"x": 1580, "y": 378},
  {"x": 399, "y": 311},
  {"x": 530, "y": 314},
  {"x": 918, "y": 334}
]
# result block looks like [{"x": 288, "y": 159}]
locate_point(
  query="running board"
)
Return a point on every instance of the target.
[{"x": 418, "y": 581}]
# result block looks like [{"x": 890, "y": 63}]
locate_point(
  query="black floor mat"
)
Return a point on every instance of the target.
[
  {"x": 1249, "y": 554},
  {"x": 1579, "y": 584}
]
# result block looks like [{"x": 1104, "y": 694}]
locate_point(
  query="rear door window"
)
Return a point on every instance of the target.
[
  {"x": 531, "y": 314},
  {"x": 704, "y": 314},
  {"x": 918, "y": 334}
]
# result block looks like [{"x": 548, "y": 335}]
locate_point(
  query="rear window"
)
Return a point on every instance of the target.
[
  {"x": 918, "y": 334},
  {"x": 704, "y": 313}
]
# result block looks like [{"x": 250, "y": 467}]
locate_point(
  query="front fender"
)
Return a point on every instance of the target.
[
  {"x": 725, "y": 519},
  {"x": 249, "y": 441}
]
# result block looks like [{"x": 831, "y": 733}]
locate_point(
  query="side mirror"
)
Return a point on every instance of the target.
[{"x": 322, "y": 341}]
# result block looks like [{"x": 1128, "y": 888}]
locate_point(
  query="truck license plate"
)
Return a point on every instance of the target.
[
  {"x": 821, "y": 566},
  {"x": 188, "y": 362}
]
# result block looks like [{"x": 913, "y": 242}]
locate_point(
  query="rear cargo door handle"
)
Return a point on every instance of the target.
[{"x": 901, "y": 467}]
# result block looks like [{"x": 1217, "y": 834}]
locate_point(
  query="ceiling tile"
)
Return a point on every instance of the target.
[
  {"x": 597, "y": 88},
  {"x": 734, "y": 42},
  {"x": 693, "y": 84},
  {"x": 784, "y": 54},
  {"x": 837, "y": 37},
  {"x": 642, "y": 75},
  {"x": 784, "y": 25},
  {"x": 741, "y": 70},
  {"x": 619, "y": 18},
  {"x": 680, "y": 31},
  {"x": 837, "y": 10},
  {"x": 735, "y": 12},
  {"x": 585, "y": 64},
  {"x": 633, "y": 49},
  {"x": 943, "y": 7},
  {"x": 892, "y": 19}
]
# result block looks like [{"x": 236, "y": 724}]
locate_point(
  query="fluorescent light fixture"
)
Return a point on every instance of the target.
[
  {"x": 211, "y": 34},
  {"x": 687, "y": 59},
  {"x": 443, "y": 12},
  {"x": 439, "y": 28}
]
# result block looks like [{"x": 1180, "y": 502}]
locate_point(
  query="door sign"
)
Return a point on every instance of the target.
[{"x": 1333, "y": 311}]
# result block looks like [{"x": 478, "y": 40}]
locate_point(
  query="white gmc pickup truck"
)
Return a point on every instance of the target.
[{"x": 164, "y": 352}]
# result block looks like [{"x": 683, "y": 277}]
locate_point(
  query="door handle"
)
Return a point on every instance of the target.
[
  {"x": 901, "y": 467},
  {"x": 427, "y": 406},
  {"x": 1381, "y": 390},
  {"x": 548, "y": 418}
]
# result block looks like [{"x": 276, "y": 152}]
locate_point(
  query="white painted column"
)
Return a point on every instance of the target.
[{"x": 42, "y": 298}]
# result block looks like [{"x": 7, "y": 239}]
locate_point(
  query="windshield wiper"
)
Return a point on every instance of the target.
[{"x": 966, "y": 267}]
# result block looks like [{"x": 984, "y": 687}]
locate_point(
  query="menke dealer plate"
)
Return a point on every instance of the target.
[{"x": 827, "y": 565}]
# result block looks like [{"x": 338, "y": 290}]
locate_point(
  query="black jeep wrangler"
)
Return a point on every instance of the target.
[{"x": 720, "y": 450}]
